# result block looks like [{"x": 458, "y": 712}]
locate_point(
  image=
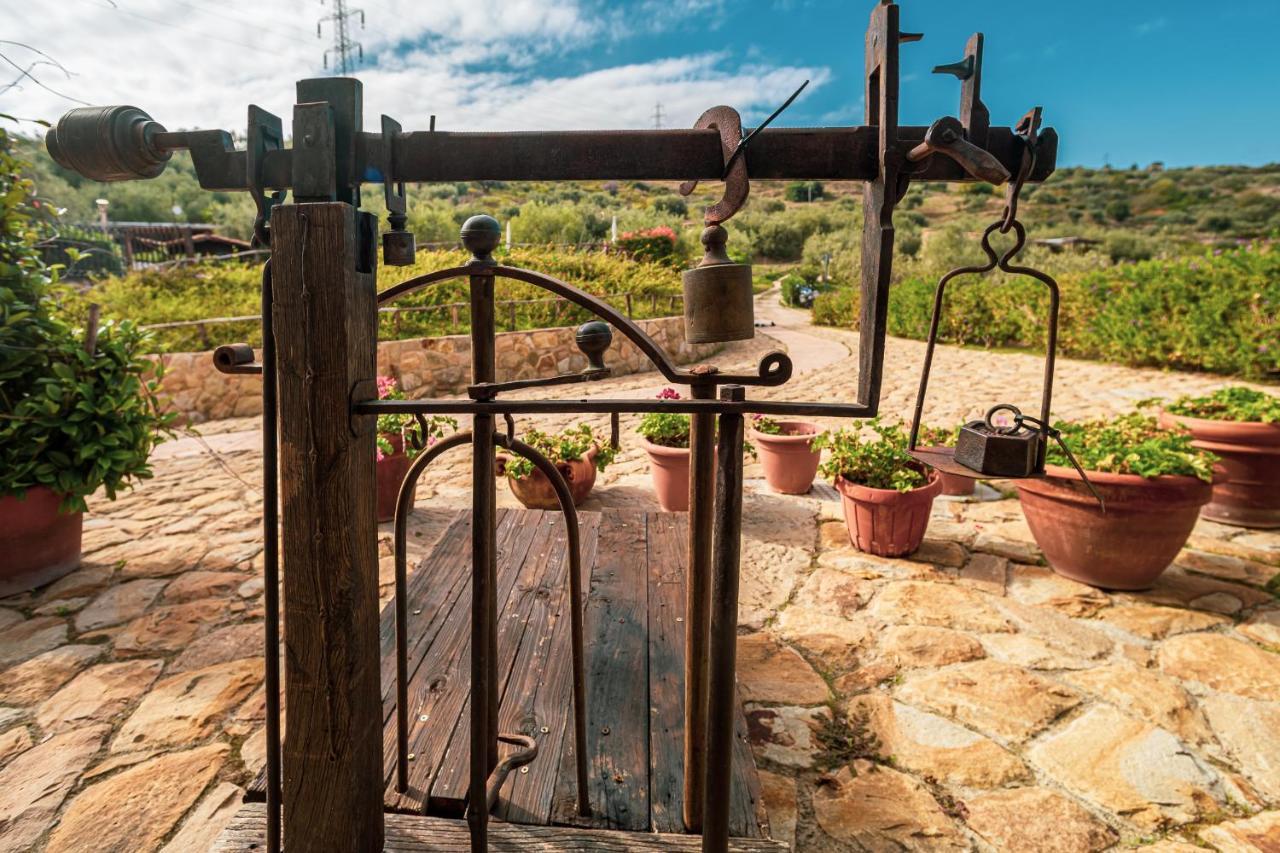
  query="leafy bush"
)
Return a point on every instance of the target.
[
  {"x": 672, "y": 204},
  {"x": 654, "y": 244},
  {"x": 1131, "y": 444},
  {"x": 571, "y": 444},
  {"x": 790, "y": 284},
  {"x": 881, "y": 463},
  {"x": 1215, "y": 312},
  {"x": 202, "y": 291},
  {"x": 1235, "y": 403},
  {"x": 803, "y": 191},
  {"x": 669, "y": 429},
  {"x": 414, "y": 435},
  {"x": 71, "y": 420}
]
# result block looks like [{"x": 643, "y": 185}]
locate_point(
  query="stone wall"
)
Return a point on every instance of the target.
[{"x": 424, "y": 367}]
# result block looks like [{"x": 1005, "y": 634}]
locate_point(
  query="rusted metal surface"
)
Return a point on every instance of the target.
[{"x": 946, "y": 136}]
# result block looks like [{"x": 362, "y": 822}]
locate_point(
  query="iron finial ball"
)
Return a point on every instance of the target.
[
  {"x": 481, "y": 234},
  {"x": 593, "y": 338}
]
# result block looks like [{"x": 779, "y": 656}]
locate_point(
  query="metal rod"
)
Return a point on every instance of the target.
[
  {"x": 576, "y": 602},
  {"x": 270, "y": 562},
  {"x": 722, "y": 690},
  {"x": 609, "y": 406},
  {"x": 697, "y": 606},
  {"x": 404, "y": 505}
]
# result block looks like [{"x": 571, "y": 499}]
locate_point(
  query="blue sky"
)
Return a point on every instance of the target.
[{"x": 1123, "y": 82}]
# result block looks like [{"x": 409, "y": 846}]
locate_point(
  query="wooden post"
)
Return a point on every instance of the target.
[
  {"x": 697, "y": 611},
  {"x": 325, "y": 320}
]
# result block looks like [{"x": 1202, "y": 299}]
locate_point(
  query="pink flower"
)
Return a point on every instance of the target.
[
  {"x": 386, "y": 386},
  {"x": 379, "y": 454},
  {"x": 668, "y": 394}
]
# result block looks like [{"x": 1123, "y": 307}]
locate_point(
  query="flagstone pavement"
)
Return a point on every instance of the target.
[{"x": 965, "y": 698}]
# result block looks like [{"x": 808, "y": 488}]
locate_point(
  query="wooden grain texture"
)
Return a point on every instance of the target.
[
  {"x": 419, "y": 834},
  {"x": 325, "y": 320},
  {"x": 667, "y": 566},
  {"x": 545, "y": 711},
  {"x": 617, "y": 620},
  {"x": 439, "y": 685},
  {"x": 538, "y": 572}
]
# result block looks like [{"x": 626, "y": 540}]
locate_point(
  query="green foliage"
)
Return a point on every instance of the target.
[
  {"x": 71, "y": 420},
  {"x": 672, "y": 204},
  {"x": 653, "y": 244},
  {"x": 844, "y": 737},
  {"x": 1131, "y": 444},
  {"x": 803, "y": 191},
  {"x": 765, "y": 425},
  {"x": 1216, "y": 312},
  {"x": 542, "y": 222},
  {"x": 879, "y": 463},
  {"x": 790, "y": 284},
  {"x": 669, "y": 429},
  {"x": 201, "y": 291},
  {"x": 410, "y": 434},
  {"x": 1235, "y": 403},
  {"x": 571, "y": 444}
]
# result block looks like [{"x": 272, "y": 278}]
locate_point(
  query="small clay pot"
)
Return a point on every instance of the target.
[
  {"x": 536, "y": 492},
  {"x": 788, "y": 461},
  {"x": 670, "y": 468},
  {"x": 390, "y": 471},
  {"x": 1246, "y": 491},
  {"x": 1146, "y": 523},
  {"x": 886, "y": 522},
  {"x": 39, "y": 543},
  {"x": 957, "y": 485}
]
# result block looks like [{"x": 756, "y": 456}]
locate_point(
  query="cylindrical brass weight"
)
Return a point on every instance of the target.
[
  {"x": 107, "y": 143},
  {"x": 718, "y": 303}
]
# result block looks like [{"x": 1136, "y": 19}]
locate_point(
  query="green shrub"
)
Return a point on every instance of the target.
[
  {"x": 672, "y": 204},
  {"x": 669, "y": 429},
  {"x": 1235, "y": 403},
  {"x": 653, "y": 244},
  {"x": 72, "y": 420},
  {"x": 569, "y": 445},
  {"x": 789, "y": 284},
  {"x": 837, "y": 307},
  {"x": 880, "y": 463},
  {"x": 803, "y": 191},
  {"x": 1131, "y": 444}
]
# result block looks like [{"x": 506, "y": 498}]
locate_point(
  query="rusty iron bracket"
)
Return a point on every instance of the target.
[
  {"x": 974, "y": 115},
  {"x": 737, "y": 187},
  {"x": 946, "y": 136}
]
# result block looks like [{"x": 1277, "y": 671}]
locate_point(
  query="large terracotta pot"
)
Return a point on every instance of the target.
[
  {"x": 1146, "y": 523},
  {"x": 390, "y": 474},
  {"x": 956, "y": 485},
  {"x": 1246, "y": 491},
  {"x": 38, "y": 543},
  {"x": 535, "y": 491},
  {"x": 789, "y": 464},
  {"x": 670, "y": 467},
  {"x": 886, "y": 522}
]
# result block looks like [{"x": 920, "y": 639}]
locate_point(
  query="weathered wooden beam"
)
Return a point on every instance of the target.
[{"x": 326, "y": 333}]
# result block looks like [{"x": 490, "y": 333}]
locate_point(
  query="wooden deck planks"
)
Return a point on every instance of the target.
[
  {"x": 617, "y": 620},
  {"x": 419, "y": 834},
  {"x": 634, "y": 565}
]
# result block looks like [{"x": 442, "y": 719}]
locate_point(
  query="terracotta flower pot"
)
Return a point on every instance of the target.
[
  {"x": 535, "y": 490},
  {"x": 670, "y": 467},
  {"x": 789, "y": 464},
  {"x": 957, "y": 485},
  {"x": 1146, "y": 523},
  {"x": 1246, "y": 491},
  {"x": 390, "y": 474},
  {"x": 886, "y": 522},
  {"x": 39, "y": 543}
]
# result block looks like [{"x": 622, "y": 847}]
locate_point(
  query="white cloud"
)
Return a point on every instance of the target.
[{"x": 473, "y": 63}]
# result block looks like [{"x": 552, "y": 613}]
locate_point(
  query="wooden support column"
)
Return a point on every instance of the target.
[
  {"x": 722, "y": 687},
  {"x": 697, "y": 611},
  {"x": 325, "y": 319}
]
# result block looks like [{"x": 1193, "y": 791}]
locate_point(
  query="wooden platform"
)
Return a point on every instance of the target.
[
  {"x": 635, "y": 677},
  {"x": 419, "y": 834}
]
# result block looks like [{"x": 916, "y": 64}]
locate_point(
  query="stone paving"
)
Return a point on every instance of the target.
[{"x": 966, "y": 698}]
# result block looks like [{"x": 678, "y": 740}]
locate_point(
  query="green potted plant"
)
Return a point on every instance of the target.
[
  {"x": 787, "y": 454},
  {"x": 400, "y": 439},
  {"x": 1241, "y": 426},
  {"x": 1152, "y": 482},
  {"x": 886, "y": 494},
  {"x": 78, "y": 408},
  {"x": 665, "y": 438},
  {"x": 577, "y": 454}
]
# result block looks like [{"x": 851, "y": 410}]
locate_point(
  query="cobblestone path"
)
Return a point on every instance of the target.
[{"x": 966, "y": 698}]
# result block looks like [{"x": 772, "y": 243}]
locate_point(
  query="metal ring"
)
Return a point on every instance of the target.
[{"x": 1003, "y": 407}]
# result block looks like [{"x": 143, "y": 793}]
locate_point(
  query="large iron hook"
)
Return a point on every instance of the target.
[{"x": 736, "y": 185}]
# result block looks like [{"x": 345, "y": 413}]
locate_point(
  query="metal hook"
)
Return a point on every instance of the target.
[
  {"x": 736, "y": 185},
  {"x": 1028, "y": 130}
]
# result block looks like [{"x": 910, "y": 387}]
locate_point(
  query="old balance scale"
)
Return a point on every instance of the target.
[{"x": 382, "y": 749}]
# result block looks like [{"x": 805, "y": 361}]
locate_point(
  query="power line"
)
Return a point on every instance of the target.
[
  {"x": 657, "y": 115},
  {"x": 343, "y": 47}
]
